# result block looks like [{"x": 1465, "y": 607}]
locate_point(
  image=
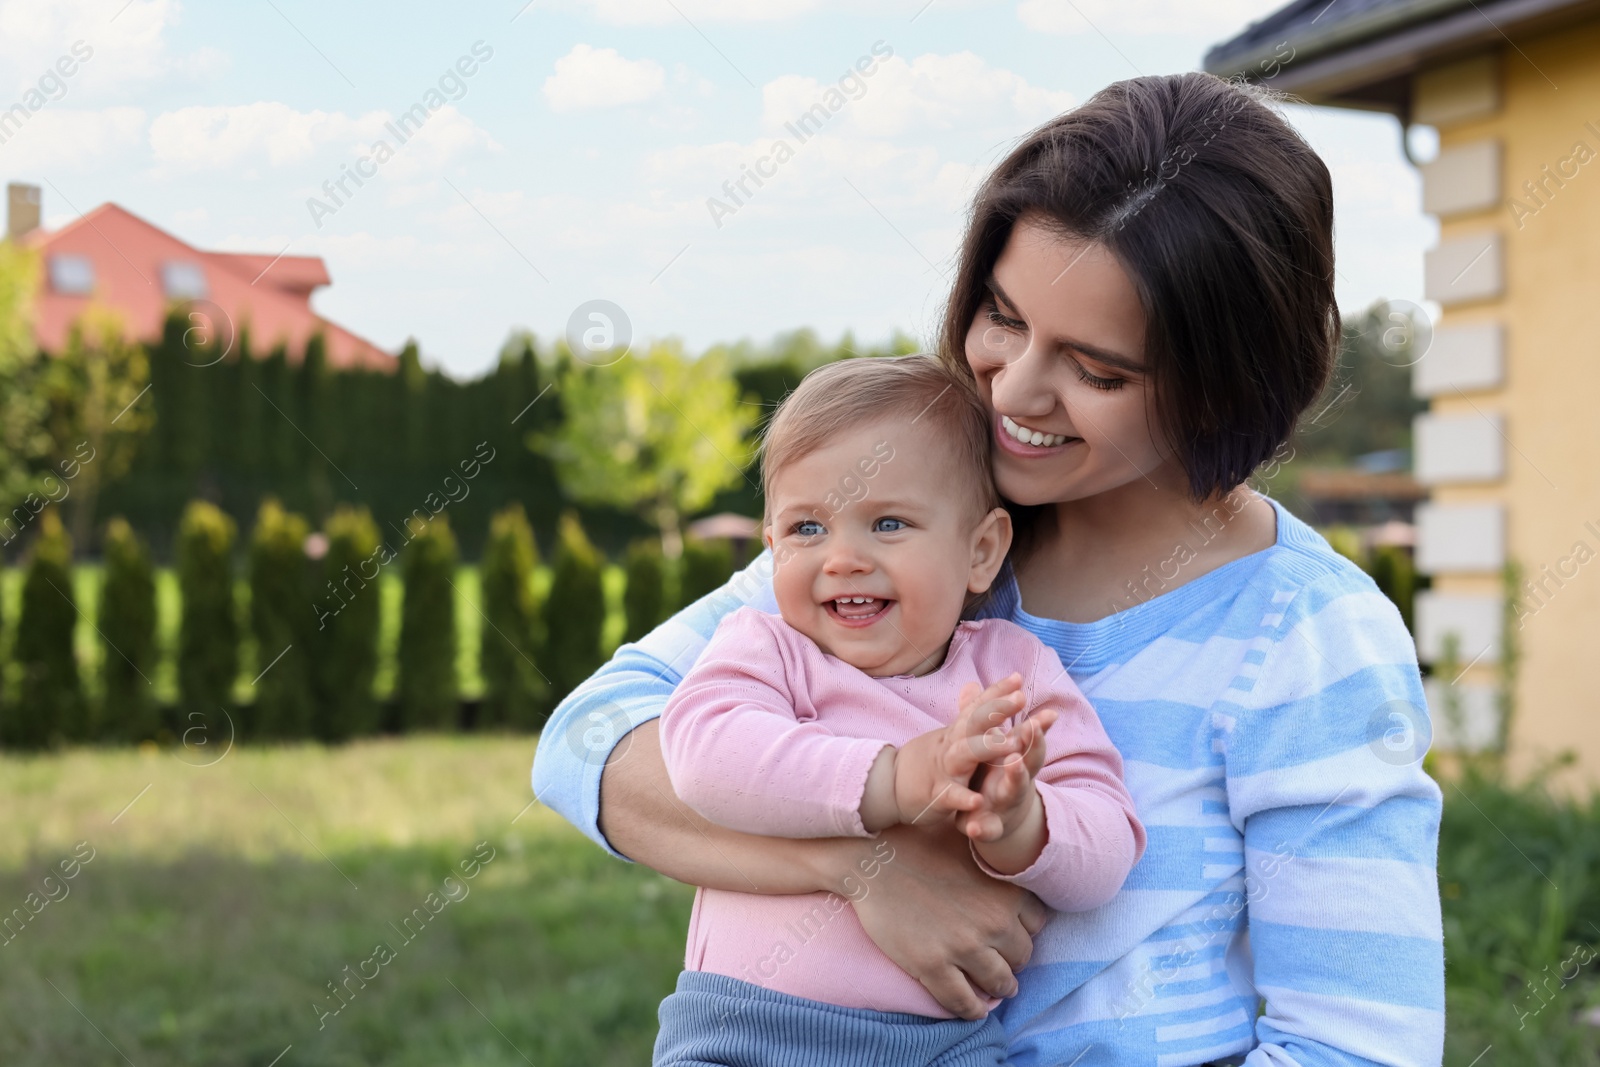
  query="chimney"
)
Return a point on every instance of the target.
[{"x": 22, "y": 210}]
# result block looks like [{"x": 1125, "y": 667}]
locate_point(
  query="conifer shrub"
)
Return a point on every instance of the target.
[
  {"x": 344, "y": 645},
  {"x": 428, "y": 690},
  {"x": 49, "y": 707},
  {"x": 514, "y": 691},
  {"x": 127, "y": 622},
  {"x": 574, "y": 612},
  {"x": 282, "y": 619},
  {"x": 208, "y": 635}
]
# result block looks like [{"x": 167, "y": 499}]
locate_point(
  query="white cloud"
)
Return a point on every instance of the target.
[
  {"x": 205, "y": 136},
  {"x": 931, "y": 92},
  {"x": 599, "y": 77},
  {"x": 128, "y": 47},
  {"x": 1211, "y": 21},
  {"x": 228, "y": 136},
  {"x": 54, "y": 138}
]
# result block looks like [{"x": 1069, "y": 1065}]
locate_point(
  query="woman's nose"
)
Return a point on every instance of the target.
[{"x": 1017, "y": 386}]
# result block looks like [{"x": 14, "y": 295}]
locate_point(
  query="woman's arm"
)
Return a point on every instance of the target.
[{"x": 1341, "y": 830}]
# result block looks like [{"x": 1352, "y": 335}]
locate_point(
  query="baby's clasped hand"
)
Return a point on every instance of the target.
[{"x": 930, "y": 777}]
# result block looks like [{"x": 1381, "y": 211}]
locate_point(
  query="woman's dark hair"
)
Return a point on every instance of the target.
[{"x": 1222, "y": 217}]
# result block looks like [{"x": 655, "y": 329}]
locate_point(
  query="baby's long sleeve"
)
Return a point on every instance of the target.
[
  {"x": 1094, "y": 834},
  {"x": 740, "y": 752}
]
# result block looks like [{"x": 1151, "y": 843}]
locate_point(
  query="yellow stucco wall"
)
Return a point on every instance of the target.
[{"x": 1551, "y": 395}]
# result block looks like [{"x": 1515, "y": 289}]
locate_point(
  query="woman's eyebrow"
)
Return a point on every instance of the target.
[{"x": 1099, "y": 355}]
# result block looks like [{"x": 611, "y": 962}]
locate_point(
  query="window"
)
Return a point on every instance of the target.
[
  {"x": 72, "y": 275},
  {"x": 183, "y": 279}
]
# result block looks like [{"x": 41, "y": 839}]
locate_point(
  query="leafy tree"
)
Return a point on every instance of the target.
[
  {"x": 509, "y": 637},
  {"x": 22, "y": 435},
  {"x": 344, "y": 643},
  {"x": 429, "y": 694},
  {"x": 660, "y": 434},
  {"x": 127, "y": 625},
  {"x": 50, "y": 706},
  {"x": 96, "y": 413},
  {"x": 574, "y": 612},
  {"x": 280, "y": 615},
  {"x": 644, "y": 598},
  {"x": 208, "y": 636}
]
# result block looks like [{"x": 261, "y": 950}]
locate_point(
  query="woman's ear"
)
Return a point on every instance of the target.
[{"x": 990, "y": 543}]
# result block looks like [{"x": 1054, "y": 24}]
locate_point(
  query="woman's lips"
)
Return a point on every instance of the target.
[{"x": 1015, "y": 447}]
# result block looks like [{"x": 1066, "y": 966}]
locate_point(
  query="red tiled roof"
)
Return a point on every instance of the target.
[{"x": 272, "y": 296}]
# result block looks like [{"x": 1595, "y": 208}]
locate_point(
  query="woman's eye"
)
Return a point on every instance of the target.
[
  {"x": 888, "y": 525},
  {"x": 1002, "y": 320},
  {"x": 1095, "y": 382},
  {"x": 807, "y": 528}
]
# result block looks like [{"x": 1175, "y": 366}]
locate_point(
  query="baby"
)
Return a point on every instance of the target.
[{"x": 859, "y": 709}]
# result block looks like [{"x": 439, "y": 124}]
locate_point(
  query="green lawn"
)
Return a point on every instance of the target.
[
  {"x": 219, "y": 902},
  {"x": 217, "y": 908}
]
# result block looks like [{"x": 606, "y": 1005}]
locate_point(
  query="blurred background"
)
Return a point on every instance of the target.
[{"x": 367, "y": 378}]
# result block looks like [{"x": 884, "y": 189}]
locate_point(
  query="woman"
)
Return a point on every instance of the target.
[{"x": 1145, "y": 301}]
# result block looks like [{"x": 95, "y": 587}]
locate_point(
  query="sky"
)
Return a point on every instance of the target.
[{"x": 567, "y": 151}]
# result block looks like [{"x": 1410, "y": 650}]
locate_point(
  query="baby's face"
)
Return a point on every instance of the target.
[{"x": 877, "y": 515}]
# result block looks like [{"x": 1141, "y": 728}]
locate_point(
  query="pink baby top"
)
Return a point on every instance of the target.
[{"x": 770, "y": 735}]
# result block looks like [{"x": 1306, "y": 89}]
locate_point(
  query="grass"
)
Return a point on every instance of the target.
[
  {"x": 469, "y": 625},
  {"x": 218, "y": 907},
  {"x": 220, "y": 902}
]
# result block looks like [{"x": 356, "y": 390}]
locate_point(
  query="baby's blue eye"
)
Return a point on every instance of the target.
[
  {"x": 808, "y": 528},
  {"x": 896, "y": 524}
]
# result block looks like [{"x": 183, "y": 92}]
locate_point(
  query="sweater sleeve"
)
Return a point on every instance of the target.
[
  {"x": 738, "y": 752},
  {"x": 1094, "y": 836},
  {"x": 632, "y": 688},
  {"x": 1340, "y": 822}
]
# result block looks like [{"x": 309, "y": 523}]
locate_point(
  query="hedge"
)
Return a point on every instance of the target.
[{"x": 704, "y": 567}]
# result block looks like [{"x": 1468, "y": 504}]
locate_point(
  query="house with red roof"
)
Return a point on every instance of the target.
[{"x": 112, "y": 258}]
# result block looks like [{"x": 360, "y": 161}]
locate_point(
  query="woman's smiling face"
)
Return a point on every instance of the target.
[{"x": 1057, "y": 348}]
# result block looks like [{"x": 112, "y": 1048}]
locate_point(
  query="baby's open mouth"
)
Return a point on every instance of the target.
[{"x": 858, "y": 609}]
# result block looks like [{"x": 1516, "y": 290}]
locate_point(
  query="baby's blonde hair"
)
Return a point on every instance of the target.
[{"x": 838, "y": 397}]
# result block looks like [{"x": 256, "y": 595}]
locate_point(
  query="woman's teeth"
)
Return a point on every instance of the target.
[{"x": 1031, "y": 437}]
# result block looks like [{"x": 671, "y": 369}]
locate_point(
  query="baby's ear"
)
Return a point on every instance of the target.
[{"x": 990, "y": 543}]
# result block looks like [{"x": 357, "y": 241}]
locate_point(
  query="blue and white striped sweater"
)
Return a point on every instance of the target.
[{"x": 1271, "y": 720}]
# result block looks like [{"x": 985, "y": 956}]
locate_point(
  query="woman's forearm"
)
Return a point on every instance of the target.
[{"x": 644, "y": 820}]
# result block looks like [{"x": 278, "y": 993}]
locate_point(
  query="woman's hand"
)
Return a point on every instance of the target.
[{"x": 960, "y": 933}]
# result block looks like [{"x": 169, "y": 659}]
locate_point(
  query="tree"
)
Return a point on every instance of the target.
[
  {"x": 509, "y": 639},
  {"x": 281, "y": 617},
  {"x": 703, "y": 569},
  {"x": 429, "y": 695},
  {"x": 50, "y": 705},
  {"x": 22, "y": 436},
  {"x": 660, "y": 434},
  {"x": 127, "y": 626},
  {"x": 344, "y": 645},
  {"x": 208, "y": 636},
  {"x": 575, "y": 611},
  {"x": 94, "y": 390}
]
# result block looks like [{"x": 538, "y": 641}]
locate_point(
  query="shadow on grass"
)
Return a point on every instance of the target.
[{"x": 556, "y": 957}]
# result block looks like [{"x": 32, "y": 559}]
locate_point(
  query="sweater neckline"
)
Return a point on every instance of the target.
[{"x": 1089, "y": 646}]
